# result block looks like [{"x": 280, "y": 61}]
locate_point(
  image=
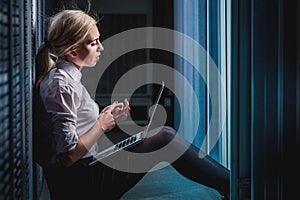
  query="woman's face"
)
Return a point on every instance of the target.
[{"x": 87, "y": 54}]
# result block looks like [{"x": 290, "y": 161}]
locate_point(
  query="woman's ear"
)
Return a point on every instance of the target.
[{"x": 73, "y": 53}]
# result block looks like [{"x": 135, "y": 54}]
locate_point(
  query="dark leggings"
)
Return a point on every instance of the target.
[{"x": 110, "y": 181}]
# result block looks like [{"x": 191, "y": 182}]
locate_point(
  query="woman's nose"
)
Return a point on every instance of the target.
[{"x": 100, "y": 47}]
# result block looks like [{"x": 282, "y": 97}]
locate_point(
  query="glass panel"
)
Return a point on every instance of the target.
[{"x": 205, "y": 22}]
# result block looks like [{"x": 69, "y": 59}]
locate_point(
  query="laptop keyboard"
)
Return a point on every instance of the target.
[
  {"x": 126, "y": 142},
  {"x": 119, "y": 146}
]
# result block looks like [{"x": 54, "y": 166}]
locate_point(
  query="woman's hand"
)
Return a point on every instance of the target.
[
  {"x": 121, "y": 113},
  {"x": 106, "y": 119}
]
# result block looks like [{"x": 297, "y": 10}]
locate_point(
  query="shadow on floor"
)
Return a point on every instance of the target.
[{"x": 172, "y": 186}]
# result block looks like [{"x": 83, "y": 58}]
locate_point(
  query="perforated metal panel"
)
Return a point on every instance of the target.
[
  {"x": 15, "y": 100},
  {"x": 27, "y": 80},
  {"x": 5, "y": 139}
]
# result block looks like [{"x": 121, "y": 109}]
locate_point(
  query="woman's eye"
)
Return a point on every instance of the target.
[{"x": 96, "y": 42}]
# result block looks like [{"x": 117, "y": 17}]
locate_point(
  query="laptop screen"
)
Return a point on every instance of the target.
[{"x": 154, "y": 108}]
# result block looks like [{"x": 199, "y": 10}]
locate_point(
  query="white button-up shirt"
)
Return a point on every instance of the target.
[{"x": 68, "y": 107}]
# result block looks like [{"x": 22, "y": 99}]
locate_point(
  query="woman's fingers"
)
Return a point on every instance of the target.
[{"x": 106, "y": 120}]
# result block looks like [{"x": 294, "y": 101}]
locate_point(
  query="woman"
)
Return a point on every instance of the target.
[{"x": 68, "y": 123}]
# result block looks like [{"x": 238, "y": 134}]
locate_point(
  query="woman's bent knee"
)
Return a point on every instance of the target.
[{"x": 167, "y": 134}]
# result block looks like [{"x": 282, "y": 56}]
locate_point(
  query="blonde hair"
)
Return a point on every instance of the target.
[{"x": 66, "y": 30}]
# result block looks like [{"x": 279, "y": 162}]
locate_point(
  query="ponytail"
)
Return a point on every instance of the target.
[{"x": 43, "y": 62}]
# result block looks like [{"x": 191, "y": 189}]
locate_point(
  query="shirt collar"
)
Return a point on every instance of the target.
[{"x": 69, "y": 68}]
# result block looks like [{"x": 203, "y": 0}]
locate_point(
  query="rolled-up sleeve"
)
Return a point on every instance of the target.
[{"x": 62, "y": 105}]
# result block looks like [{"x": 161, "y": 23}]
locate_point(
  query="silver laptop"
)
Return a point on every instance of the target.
[{"x": 129, "y": 140}]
